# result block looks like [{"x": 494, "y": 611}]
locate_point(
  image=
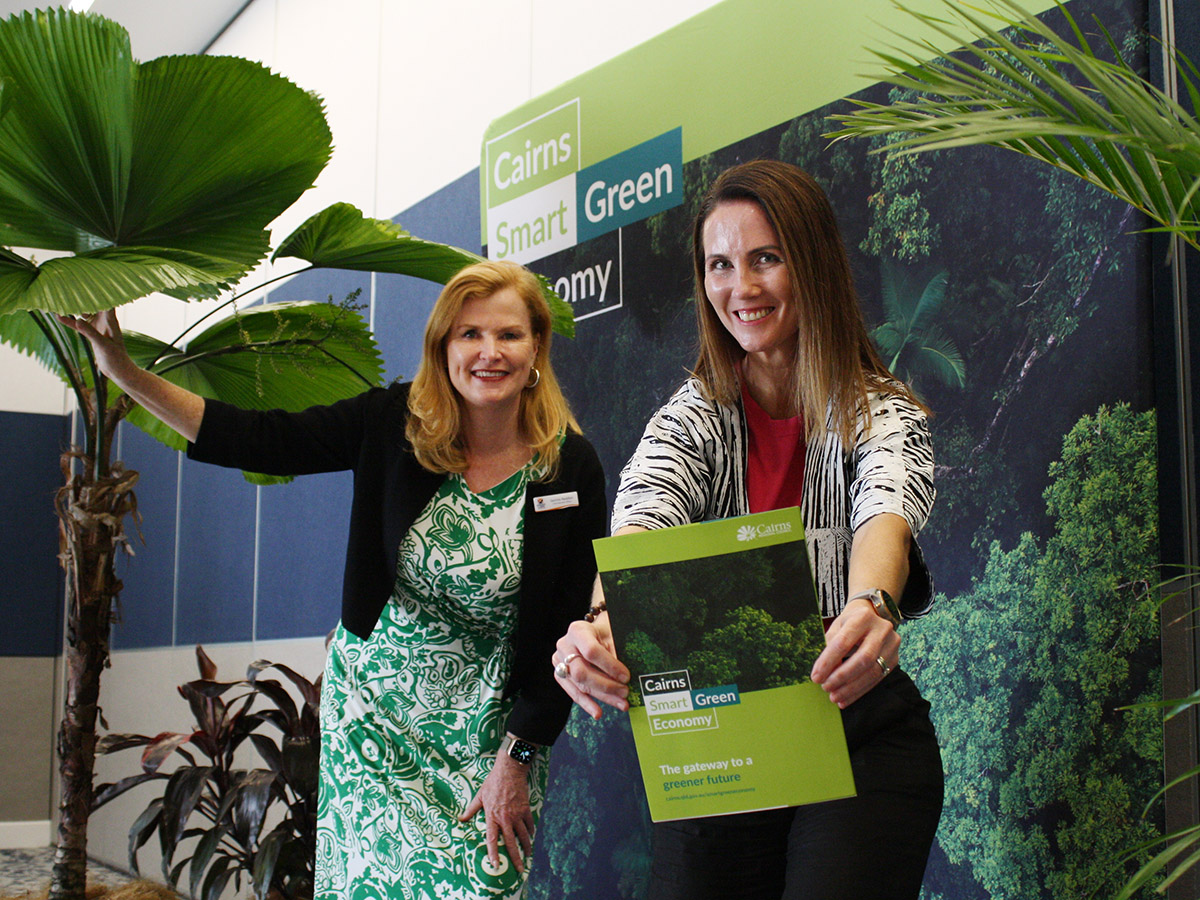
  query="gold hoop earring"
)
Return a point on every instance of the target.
[{"x": 537, "y": 377}]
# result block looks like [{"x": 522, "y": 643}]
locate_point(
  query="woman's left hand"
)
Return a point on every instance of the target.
[
  {"x": 849, "y": 665},
  {"x": 504, "y": 799}
]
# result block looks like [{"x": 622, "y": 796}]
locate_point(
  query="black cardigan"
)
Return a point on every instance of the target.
[{"x": 366, "y": 434}]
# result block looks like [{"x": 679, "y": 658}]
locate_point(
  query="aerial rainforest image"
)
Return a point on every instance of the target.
[{"x": 1016, "y": 301}]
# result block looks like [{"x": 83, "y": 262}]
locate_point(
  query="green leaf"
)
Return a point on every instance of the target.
[
  {"x": 218, "y": 876},
  {"x": 1180, "y": 842},
  {"x": 16, "y": 275},
  {"x": 182, "y": 793},
  {"x": 160, "y": 177},
  {"x": 267, "y": 857},
  {"x": 22, "y": 332},
  {"x": 90, "y": 282},
  {"x": 341, "y": 237},
  {"x": 66, "y": 143},
  {"x": 202, "y": 856},
  {"x": 254, "y": 792},
  {"x": 221, "y": 147},
  {"x": 1052, "y": 99},
  {"x": 288, "y": 355},
  {"x": 103, "y": 793}
]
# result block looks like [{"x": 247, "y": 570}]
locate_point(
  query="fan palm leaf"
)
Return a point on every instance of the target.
[
  {"x": 254, "y": 359},
  {"x": 936, "y": 356},
  {"x": 913, "y": 344},
  {"x": 1029, "y": 89},
  {"x": 341, "y": 237},
  {"x": 160, "y": 176}
]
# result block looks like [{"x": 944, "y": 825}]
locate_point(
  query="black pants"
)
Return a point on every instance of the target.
[{"x": 870, "y": 847}]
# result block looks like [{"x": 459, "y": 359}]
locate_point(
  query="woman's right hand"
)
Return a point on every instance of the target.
[
  {"x": 595, "y": 673},
  {"x": 103, "y": 332},
  {"x": 178, "y": 407}
]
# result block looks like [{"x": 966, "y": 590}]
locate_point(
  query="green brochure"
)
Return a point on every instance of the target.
[{"x": 719, "y": 626}]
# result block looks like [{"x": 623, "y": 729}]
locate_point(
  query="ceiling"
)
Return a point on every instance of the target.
[{"x": 158, "y": 27}]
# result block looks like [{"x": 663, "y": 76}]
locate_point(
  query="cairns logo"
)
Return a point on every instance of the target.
[{"x": 754, "y": 532}]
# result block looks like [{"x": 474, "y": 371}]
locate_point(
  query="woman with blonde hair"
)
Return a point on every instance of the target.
[
  {"x": 475, "y": 503},
  {"x": 790, "y": 405}
]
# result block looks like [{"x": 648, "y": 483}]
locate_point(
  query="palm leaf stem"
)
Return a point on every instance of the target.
[
  {"x": 66, "y": 359},
  {"x": 259, "y": 347},
  {"x": 220, "y": 306},
  {"x": 100, "y": 380}
]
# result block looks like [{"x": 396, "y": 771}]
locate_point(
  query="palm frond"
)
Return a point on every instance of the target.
[
  {"x": 929, "y": 301},
  {"x": 1026, "y": 88},
  {"x": 938, "y": 357},
  {"x": 341, "y": 237},
  {"x": 288, "y": 355},
  {"x": 160, "y": 177}
]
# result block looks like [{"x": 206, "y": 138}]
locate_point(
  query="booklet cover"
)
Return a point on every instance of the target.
[{"x": 719, "y": 626}]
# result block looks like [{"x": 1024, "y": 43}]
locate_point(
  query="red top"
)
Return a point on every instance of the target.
[
  {"x": 774, "y": 458},
  {"x": 774, "y": 461}
]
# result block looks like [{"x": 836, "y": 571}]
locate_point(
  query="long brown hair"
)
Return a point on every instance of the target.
[
  {"x": 435, "y": 420},
  {"x": 836, "y": 363}
]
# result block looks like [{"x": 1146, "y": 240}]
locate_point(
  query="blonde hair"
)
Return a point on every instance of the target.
[
  {"x": 435, "y": 420},
  {"x": 836, "y": 363}
]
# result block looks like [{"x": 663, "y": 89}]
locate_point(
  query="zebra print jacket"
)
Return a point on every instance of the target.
[{"x": 690, "y": 466}]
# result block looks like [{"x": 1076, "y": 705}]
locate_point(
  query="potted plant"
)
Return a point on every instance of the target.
[{"x": 213, "y": 800}]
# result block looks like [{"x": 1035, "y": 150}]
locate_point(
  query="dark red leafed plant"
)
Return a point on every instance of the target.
[{"x": 219, "y": 810}]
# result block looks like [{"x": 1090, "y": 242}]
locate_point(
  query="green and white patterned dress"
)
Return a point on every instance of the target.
[{"x": 412, "y": 717}]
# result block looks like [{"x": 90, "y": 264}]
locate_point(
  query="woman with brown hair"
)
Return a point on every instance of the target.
[
  {"x": 475, "y": 503},
  {"x": 790, "y": 405}
]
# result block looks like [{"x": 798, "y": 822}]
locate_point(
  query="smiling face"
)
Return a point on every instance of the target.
[
  {"x": 490, "y": 350},
  {"x": 747, "y": 281}
]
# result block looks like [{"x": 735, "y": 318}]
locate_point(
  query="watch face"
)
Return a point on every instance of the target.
[{"x": 522, "y": 751}]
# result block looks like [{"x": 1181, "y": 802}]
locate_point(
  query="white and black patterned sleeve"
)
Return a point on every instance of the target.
[
  {"x": 893, "y": 464},
  {"x": 677, "y": 467}
]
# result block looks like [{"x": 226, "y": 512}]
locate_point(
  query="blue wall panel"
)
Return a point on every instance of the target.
[
  {"x": 302, "y": 552},
  {"x": 31, "y": 585},
  {"x": 148, "y": 599},
  {"x": 216, "y": 556},
  {"x": 402, "y": 304}
]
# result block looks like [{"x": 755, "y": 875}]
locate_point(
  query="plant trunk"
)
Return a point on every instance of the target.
[{"x": 91, "y": 510}]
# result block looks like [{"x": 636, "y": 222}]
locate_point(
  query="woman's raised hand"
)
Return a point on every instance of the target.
[
  {"x": 103, "y": 332},
  {"x": 178, "y": 407}
]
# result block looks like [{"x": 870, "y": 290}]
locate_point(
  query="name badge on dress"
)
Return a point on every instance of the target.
[{"x": 549, "y": 502}]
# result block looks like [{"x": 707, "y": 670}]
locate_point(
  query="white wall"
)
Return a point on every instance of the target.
[{"x": 409, "y": 87}]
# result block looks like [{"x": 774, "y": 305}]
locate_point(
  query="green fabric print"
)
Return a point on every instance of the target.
[{"x": 412, "y": 718}]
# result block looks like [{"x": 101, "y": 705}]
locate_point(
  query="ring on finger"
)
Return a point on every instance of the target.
[
  {"x": 563, "y": 669},
  {"x": 883, "y": 666}
]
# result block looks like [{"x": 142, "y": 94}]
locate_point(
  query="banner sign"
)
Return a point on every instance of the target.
[
  {"x": 560, "y": 174},
  {"x": 541, "y": 202}
]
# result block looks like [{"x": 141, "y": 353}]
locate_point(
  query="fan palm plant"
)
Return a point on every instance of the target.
[
  {"x": 162, "y": 177},
  {"x": 1024, "y": 87}
]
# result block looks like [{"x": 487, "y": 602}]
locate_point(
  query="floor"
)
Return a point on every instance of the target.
[{"x": 29, "y": 871}]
